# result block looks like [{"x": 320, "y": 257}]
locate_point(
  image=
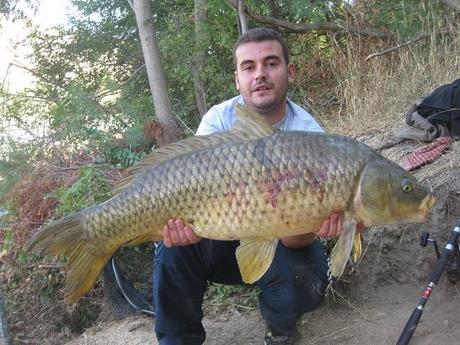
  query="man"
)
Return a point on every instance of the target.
[{"x": 297, "y": 280}]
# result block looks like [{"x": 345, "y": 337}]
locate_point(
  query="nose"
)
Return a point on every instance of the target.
[{"x": 261, "y": 73}]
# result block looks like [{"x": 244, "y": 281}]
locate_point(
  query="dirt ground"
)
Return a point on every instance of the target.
[{"x": 377, "y": 320}]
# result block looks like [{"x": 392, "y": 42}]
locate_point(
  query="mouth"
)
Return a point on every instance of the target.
[{"x": 261, "y": 88}]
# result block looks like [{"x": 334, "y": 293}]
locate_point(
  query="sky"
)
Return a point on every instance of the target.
[{"x": 50, "y": 13}]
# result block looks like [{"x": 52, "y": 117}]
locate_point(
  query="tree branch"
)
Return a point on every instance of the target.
[
  {"x": 302, "y": 28},
  {"x": 411, "y": 41},
  {"x": 32, "y": 72}
]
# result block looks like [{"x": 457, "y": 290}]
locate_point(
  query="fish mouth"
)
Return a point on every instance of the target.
[{"x": 426, "y": 205}]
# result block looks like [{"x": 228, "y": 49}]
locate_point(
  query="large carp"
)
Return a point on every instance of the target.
[{"x": 251, "y": 183}]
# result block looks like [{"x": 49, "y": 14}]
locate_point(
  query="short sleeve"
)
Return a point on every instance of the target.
[{"x": 210, "y": 123}]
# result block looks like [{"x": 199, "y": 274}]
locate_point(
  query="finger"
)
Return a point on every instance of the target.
[
  {"x": 179, "y": 224},
  {"x": 332, "y": 231},
  {"x": 183, "y": 240},
  {"x": 336, "y": 224},
  {"x": 324, "y": 229},
  {"x": 191, "y": 236},
  {"x": 175, "y": 238},
  {"x": 172, "y": 224},
  {"x": 167, "y": 237}
]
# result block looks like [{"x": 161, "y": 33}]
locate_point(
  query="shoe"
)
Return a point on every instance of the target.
[{"x": 272, "y": 338}]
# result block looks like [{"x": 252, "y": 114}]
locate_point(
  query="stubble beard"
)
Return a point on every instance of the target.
[{"x": 269, "y": 107}]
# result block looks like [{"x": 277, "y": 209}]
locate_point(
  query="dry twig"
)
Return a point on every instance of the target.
[{"x": 414, "y": 40}]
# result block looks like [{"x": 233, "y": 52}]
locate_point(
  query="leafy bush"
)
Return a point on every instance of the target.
[
  {"x": 92, "y": 187},
  {"x": 232, "y": 294},
  {"x": 123, "y": 156}
]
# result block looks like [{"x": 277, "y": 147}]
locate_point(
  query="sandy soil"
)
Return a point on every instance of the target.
[{"x": 376, "y": 319}]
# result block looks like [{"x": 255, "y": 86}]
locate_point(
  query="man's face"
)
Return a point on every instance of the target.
[{"x": 262, "y": 76}]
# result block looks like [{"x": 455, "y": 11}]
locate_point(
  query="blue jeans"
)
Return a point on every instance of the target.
[{"x": 294, "y": 284}]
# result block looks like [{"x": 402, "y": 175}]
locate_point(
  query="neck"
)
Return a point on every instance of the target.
[{"x": 273, "y": 115}]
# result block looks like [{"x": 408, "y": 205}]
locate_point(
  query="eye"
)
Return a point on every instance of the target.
[
  {"x": 406, "y": 186},
  {"x": 247, "y": 67}
]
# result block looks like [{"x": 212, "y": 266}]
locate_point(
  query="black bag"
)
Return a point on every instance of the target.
[{"x": 441, "y": 108}]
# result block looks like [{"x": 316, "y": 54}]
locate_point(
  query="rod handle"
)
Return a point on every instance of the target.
[{"x": 411, "y": 325}]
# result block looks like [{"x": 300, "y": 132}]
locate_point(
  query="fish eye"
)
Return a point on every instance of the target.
[{"x": 406, "y": 186}]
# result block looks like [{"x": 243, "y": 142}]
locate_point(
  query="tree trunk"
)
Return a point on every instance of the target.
[
  {"x": 242, "y": 18},
  {"x": 115, "y": 305},
  {"x": 199, "y": 58},
  {"x": 155, "y": 72}
]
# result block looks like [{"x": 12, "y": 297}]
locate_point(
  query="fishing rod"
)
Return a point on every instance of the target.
[{"x": 451, "y": 247}]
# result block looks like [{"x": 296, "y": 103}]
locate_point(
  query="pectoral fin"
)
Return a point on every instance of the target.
[
  {"x": 255, "y": 257},
  {"x": 342, "y": 249}
]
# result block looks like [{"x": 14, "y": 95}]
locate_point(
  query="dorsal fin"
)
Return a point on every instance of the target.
[{"x": 249, "y": 125}]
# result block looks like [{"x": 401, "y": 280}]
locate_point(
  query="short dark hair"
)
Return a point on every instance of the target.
[{"x": 260, "y": 35}]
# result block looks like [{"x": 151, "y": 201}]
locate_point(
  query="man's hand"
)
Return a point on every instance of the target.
[
  {"x": 176, "y": 233},
  {"x": 331, "y": 227}
]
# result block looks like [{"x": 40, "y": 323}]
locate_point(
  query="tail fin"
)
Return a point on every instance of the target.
[{"x": 66, "y": 237}]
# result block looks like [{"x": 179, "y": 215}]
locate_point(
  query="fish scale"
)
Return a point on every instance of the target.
[{"x": 203, "y": 172}]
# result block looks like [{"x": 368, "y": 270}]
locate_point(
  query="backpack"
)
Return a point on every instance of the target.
[{"x": 435, "y": 115}]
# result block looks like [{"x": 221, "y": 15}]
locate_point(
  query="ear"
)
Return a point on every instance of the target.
[
  {"x": 237, "y": 82},
  {"x": 291, "y": 72}
]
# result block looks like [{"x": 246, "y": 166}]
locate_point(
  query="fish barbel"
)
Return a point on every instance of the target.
[{"x": 251, "y": 183}]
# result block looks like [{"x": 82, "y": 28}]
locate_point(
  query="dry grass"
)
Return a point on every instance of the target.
[
  {"x": 32, "y": 201},
  {"x": 376, "y": 93}
]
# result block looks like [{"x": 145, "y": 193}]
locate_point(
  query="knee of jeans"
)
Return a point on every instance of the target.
[
  {"x": 314, "y": 297},
  {"x": 293, "y": 301},
  {"x": 309, "y": 291}
]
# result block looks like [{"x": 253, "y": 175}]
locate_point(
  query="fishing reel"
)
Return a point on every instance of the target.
[{"x": 453, "y": 264}]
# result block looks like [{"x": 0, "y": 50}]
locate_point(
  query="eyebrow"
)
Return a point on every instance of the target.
[{"x": 268, "y": 57}]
